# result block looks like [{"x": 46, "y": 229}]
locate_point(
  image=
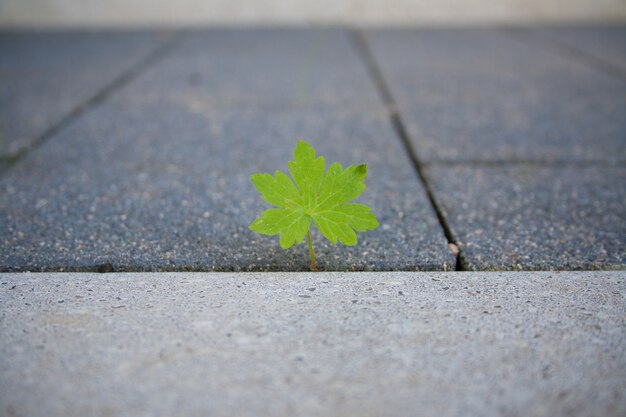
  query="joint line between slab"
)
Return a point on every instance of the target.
[
  {"x": 118, "y": 83},
  {"x": 566, "y": 49},
  {"x": 366, "y": 56}
]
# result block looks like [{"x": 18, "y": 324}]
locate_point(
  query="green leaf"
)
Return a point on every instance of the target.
[{"x": 313, "y": 196}]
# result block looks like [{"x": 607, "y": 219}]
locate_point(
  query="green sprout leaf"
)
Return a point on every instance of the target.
[{"x": 313, "y": 196}]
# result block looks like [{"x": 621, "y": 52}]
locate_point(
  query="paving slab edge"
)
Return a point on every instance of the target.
[{"x": 309, "y": 274}]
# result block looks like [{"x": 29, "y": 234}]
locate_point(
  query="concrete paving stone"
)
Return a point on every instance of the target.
[
  {"x": 44, "y": 76},
  {"x": 163, "y": 187},
  {"x": 313, "y": 344},
  {"x": 261, "y": 67},
  {"x": 157, "y": 177},
  {"x": 535, "y": 217},
  {"x": 607, "y": 42},
  {"x": 481, "y": 95}
]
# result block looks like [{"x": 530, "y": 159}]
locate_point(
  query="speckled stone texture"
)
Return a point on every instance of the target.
[
  {"x": 535, "y": 217},
  {"x": 327, "y": 344},
  {"x": 522, "y": 143},
  {"x": 477, "y": 95},
  {"x": 44, "y": 76},
  {"x": 157, "y": 177}
]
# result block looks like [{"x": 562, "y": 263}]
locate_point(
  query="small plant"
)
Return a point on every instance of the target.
[{"x": 318, "y": 196}]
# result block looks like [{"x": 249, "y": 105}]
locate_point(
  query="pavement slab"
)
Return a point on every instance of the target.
[
  {"x": 263, "y": 68},
  {"x": 476, "y": 95},
  {"x": 157, "y": 177},
  {"x": 45, "y": 76},
  {"x": 535, "y": 217},
  {"x": 313, "y": 344}
]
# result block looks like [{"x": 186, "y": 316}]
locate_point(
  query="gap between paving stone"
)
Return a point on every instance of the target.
[
  {"x": 397, "y": 344},
  {"x": 401, "y": 132},
  {"x": 546, "y": 39},
  {"x": 459, "y": 213},
  {"x": 605, "y": 41},
  {"x": 100, "y": 96},
  {"x": 478, "y": 94},
  {"x": 369, "y": 61},
  {"x": 535, "y": 218},
  {"x": 135, "y": 199}
]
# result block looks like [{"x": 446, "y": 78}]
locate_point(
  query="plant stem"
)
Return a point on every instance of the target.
[{"x": 311, "y": 254}]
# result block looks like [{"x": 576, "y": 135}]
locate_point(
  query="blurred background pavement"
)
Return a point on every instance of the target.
[{"x": 132, "y": 13}]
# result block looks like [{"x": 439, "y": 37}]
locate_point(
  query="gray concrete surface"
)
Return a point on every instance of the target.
[
  {"x": 327, "y": 344},
  {"x": 262, "y": 68},
  {"x": 535, "y": 217},
  {"x": 521, "y": 140},
  {"x": 473, "y": 95},
  {"x": 45, "y": 76},
  {"x": 157, "y": 177}
]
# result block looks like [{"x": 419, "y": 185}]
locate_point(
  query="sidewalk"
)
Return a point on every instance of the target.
[
  {"x": 313, "y": 344},
  {"x": 132, "y": 151}
]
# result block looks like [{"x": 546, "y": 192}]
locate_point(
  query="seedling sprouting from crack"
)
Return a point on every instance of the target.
[{"x": 317, "y": 196}]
